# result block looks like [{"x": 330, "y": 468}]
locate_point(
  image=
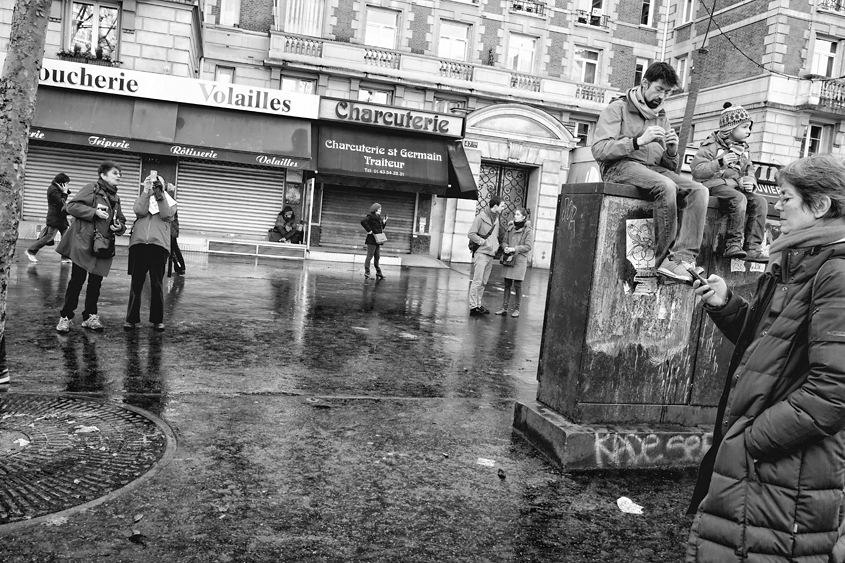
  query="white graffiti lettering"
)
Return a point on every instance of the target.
[{"x": 625, "y": 450}]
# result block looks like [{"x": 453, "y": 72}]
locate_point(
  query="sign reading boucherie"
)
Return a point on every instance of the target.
[
  {"x": 386, "y": 156},
  {"x": 404, "y": 119}
]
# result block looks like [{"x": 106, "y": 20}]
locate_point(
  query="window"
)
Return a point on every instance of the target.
[
  {"x": 824, "y": 57},
  {"x": 647, "y": 13},
  {"x": 586, "y": 65},
  {"x": 382, "y": 28},
  {"x": 224, "y": 74},
  {"x": 375, "y": 96},
  {"x": 230, "y": 12},
  {"x": 304, "y": 17},
  {"x": 521, "y": 52},
  {"x": 94, "y": 28},
  {"x": 681, "y": 68},
  {"x": 592, "y": 13},
  {"x": 454, "y": 41},
  {"x": 442, "y": 105},
  {"x": 583, "y": 131},
  {"x": 689, "y": 8},
  {"x": 639, "y": 70},
  {"x": 817, "y": 140},
  {"x": 298, "y": 85}
]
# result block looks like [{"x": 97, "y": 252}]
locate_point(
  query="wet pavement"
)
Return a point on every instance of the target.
[{"x": 320, "y": 417}]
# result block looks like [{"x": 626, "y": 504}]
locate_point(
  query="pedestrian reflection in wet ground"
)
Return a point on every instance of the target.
[{"x": 144, "y": 385}]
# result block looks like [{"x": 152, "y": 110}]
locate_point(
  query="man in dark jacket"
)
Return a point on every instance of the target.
[{"x": 56, "y": 216}]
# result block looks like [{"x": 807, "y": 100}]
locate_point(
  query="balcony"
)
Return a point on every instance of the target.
[
  {"x": 594, "y": 18},
  {"x": 299, "y": 45},
  {"x": 590, "y": 93},
  {"x": 453, "y": 69},
  {"x": 832, "y": 94},
  {"x": 382, "y": 58},
  {"x": 525, "y": 82},
  {"x": 528, "y": 7},
  {"x": 831, "y": 5}
]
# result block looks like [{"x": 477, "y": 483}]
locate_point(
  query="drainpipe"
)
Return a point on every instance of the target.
[{"x": 665, "y": 31}]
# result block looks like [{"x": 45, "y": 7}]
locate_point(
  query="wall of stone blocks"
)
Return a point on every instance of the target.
[
  {"x": 624, "y": 65},
  {"x": 420, "y": 29},
  {"x": 724, "y": 64},
  {"x": 490, "y": 41},
  {"x": 795, "y": 57},
  {"x": 345, "y": 17}
]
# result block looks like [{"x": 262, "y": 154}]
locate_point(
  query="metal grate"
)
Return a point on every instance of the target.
[{"x": 509, "y": 183}]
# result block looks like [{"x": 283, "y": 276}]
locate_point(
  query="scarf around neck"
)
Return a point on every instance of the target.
[
  {"x": 822, "y": 233},
  {"x": 635, "y": 97}
]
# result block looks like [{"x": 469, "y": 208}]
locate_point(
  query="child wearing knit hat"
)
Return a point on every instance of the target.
[{"x": 723, "y": 164}]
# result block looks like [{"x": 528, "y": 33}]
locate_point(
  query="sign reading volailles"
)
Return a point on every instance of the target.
[{"x": 391, "y": 117}]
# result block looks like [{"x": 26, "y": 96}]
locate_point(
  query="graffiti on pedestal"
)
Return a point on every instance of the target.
[
  {"x": 641, "y": 449},
  {"x": 639, "y": 250}
]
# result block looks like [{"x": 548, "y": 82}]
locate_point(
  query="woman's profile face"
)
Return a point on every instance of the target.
[
  {"x": 795, "y": 214},
  {"x": 518, "y": 217},
  {"x": 112, "y": 177}
]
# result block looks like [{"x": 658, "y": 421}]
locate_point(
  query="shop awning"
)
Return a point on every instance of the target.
[{"x": 461, "y": 181}]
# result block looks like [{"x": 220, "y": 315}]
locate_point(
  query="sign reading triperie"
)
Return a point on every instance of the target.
[
  {"x": 108, "y": 80},
  {"x": 387, "y": 117}
]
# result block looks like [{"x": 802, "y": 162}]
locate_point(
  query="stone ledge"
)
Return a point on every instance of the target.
[{"x": 574, "y": 446}]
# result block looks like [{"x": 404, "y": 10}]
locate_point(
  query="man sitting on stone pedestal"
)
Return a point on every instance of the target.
[{"x": 634, "y": 144}]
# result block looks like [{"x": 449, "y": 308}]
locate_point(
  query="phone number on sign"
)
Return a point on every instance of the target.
[{"x": 385, "y": 172}]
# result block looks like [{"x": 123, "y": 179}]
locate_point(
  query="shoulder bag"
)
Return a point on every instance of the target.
[
  {"x": 102, "y": 244},
  {"x": 381, "y": 238},
  {"x": 473, "y": 246}
]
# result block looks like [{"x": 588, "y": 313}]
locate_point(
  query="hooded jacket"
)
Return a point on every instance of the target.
[
  {"x": 76, "y": 243},
  {"x": 520, "y": 239},
  {"x": 56, "y": 215},
  {"x": 775, "y": 474},
  {"x": 707, "y": 169},
  {"x": 151, "y": 228},
  {"x": 618, "y": 125},
  {"x": 286, "y": 227}
]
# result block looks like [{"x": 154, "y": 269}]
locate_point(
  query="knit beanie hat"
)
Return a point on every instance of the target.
[
  {"x": 732, "y": 116},
  {"x": 375, "y": 207}
]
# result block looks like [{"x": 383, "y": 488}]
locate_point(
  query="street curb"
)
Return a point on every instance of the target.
[{"x": 574, "y": 446}]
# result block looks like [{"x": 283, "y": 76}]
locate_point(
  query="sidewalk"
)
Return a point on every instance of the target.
[{"x": 320, "y": 417}]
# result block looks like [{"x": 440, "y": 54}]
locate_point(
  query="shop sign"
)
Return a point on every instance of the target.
[
  {"x": 370, "y": 154},
  {"x": 403, "y": 119},
  {"x": 102, "y": 142},
  {"x": 108, "y": 80}
]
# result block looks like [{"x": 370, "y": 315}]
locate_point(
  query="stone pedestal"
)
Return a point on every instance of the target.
[{"x": 631, "y": 369}]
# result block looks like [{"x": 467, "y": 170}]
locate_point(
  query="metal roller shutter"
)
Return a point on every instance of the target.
[
  {"x": 43, "y": 163},
  {"x": 230, "y": 200},
  {"x": 344, "y": 207}
]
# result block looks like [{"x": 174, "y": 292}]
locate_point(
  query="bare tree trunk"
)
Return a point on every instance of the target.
[{"x": 18, "y": 88}]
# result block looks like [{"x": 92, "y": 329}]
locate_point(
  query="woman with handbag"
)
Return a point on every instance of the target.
[
  {"x": 374, "y": 224},
  {"x": 89, "y": 243},
  {"x": 516, "y": 244},
  {"x": 149, "y": 247}
]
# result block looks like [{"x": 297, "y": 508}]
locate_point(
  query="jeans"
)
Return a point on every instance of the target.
[
  {"x": 373, "y": 251},
  {"x": 74, "y": 288},
  {"x": 672, "y": 194},
  {"x": 746, "y": 213},
  {"x": 47, "y": 235},
  {"x": 482, "y": 264},
  {"x": 145, "y": 258},
  {"x": 517, "y": 293}
]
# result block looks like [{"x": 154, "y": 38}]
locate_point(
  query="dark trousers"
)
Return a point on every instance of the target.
[
  {"x": 373, "y": 251},
  {"x": 143, "y": 259},
  {"x": 74, "y": 288},
  {"x": 517, "y": 295},
  {"x": 47, "y": 235},
  {"x": 176, "y": 255},
  {"x": 746, "y": 213}
]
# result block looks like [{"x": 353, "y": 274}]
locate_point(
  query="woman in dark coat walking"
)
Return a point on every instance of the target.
[
  {"x": 374, "y": 224},
  {"x": 57, "y": 195},
  {"x": 95, "y": 206},
  {"x": 515, "y": 241},
  {"x": 770, "y": 488}
]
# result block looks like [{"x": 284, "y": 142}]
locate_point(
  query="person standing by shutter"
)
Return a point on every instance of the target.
[
  {"x": 374, "y": 224},
  {"x": 57, "y": 195}
]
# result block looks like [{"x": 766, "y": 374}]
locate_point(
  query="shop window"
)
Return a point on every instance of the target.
[
  {"x": 817, "y": 139},
  {"x": 639, "y": 70},
  {"x": 647, "y": 15},
  {"x": 375, "y": 96},
  {"x": 454, "y": 41},
  {"x": 224, "y": 74},
  {"x": 688, "y": 10},
  {"x": 304, "y": 17},
  {"x": 382, "y": 28},
  {"x": 824, "y": 57},
  {"x": 681, "y": 65},
  {"x": 298, "y": 85},
  {"x": 521, "y": 49},
  {"x": 443, "y": 105},
  {"x": 94, "y": 28},
  {"x": 586, "y": 66}
]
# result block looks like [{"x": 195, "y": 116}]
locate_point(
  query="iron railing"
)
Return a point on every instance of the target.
[
  {"x": 529, "y": 7},
  {"x": 583, "y": 16},
  {"x": 832, "y": 5},
  {"x": 833, "y": 94}
]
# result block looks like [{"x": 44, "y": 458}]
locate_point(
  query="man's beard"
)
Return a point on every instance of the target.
[{"x": 654, "y": 103}]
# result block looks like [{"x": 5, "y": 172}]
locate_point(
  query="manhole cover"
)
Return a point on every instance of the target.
[{"x": 57, "y": 453}]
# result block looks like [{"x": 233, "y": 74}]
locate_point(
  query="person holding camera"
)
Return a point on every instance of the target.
[
  {"x": 374, "y": 224},
  {"x": 149, "y": 247},
  {"x": 96, "y": 208}
]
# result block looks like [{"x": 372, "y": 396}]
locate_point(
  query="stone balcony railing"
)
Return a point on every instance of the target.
[
  {"x": 313, "y": 53},
  {"x": 832, "y": 94}
]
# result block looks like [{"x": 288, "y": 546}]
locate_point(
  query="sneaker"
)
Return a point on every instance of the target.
[
  {"x": 379, "y": 276},
  {"x": 674, "y": 269},
  {"x": 482, "y": 310},
  {"x": 127, "y": 326},
  {"x": 159, "y": 327},
  {"x": 734, "y": 250},
  {"x": 31, "y": 257},
  {"x": 474, "y": 312},
  {"x": 502, "y": 311},
  {"x": 93, "y": 323},
  {"x": 755, "y": 255},
  {"x": 515, "y": 313},
  {"x": 64, "y": 324}
]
